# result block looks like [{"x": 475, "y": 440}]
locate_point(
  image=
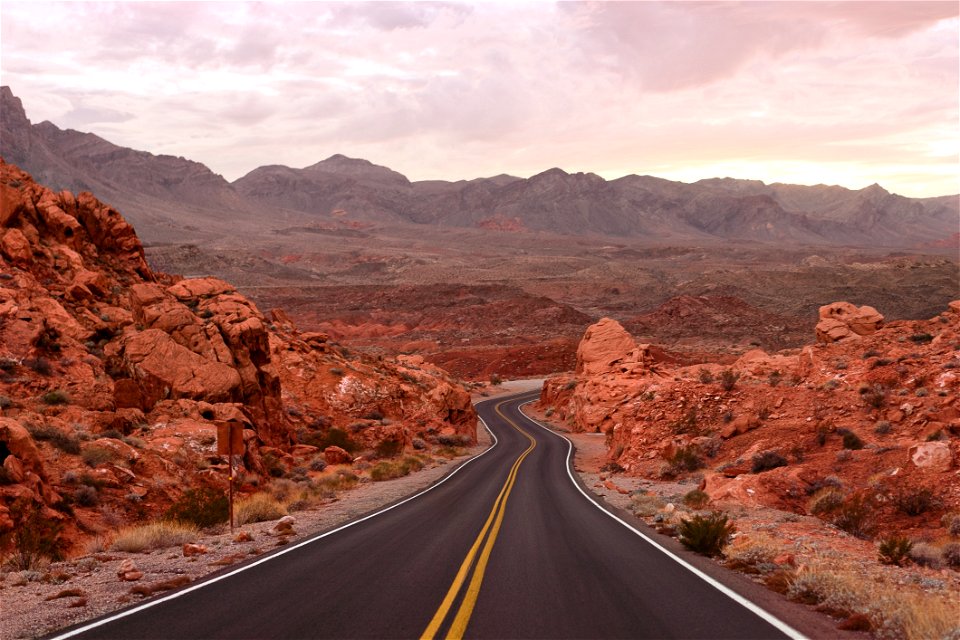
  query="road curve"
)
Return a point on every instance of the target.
[{"x": 506, "y": 547}]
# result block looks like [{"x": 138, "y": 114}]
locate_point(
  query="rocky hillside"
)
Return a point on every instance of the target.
[
  {"x": 114, "y": 377},
  {"x": 166, "y": 195},
  {"x": 861, "y": 429}
]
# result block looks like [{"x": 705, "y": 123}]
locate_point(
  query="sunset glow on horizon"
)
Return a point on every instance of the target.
[{"x": 796, "y": 92}]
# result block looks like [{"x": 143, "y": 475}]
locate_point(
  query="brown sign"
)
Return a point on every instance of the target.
[{"x": 230, "y": 437}]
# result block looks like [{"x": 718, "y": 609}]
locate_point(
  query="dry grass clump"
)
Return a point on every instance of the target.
[
  {"x": 894, "y": 610},
  {"x": 388, "y": 470},
  {"x": 260, "y": 507},
  {"x": 753, "y": 554},
  {"x": 645, "y": 505},
  {"x": 155, "y": 535}
]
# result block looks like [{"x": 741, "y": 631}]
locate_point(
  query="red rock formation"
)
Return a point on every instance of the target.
[
  {"x": 879, "y": 414},
  {"x": 844, "y": 321},
  {"x": 116, "y": 375}
]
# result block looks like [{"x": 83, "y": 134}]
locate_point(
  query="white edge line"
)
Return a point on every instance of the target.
[
  {"x": 205, "y": 583},
  {"x": 733, "y": 595}
]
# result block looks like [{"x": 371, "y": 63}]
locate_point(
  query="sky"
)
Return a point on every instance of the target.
[{"x": 797, "y": 92}]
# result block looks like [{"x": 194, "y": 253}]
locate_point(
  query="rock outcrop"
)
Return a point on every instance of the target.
[
  {"x": 876, "y": 415},
  {"x": 115, "y": 377},
  {"x": 844, "y": 321}
]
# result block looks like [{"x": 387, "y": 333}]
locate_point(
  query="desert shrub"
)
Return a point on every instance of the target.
[
  {"x": 570, "y": 385},
  {"x": 34, "y": 540},
  {"x": 752, "y": 555},
  {"x": 273, "y": 465},
  {"x": 937, "y": 435},
  {"x": 260, "y": 507},
  {"x": 413, "y": 463},
  {"x": 55, "y": 398},
  {"x": 385, "y": 470},
  {"x": 852, "y": 440},
  {"x": 831, "y": 384},
  {"x": 154, "y": 535},
  {"x": 728, "y": 379},
  {"x": 203, "y": 507},
  {"x": 926, "y": 555},
  {"x": 882, "y": 427},
  {"x": 951, "y": 522},
  {"x": 894, "y": 550},
  {"x": 775, "y": 377},
  {"x": 870, "y": 353},
  {"x": 645, "y": 505},
  {"x": 62, "y": 441},
  {"x": 318, "y": 464},
  {"x": 612, "y": 467},
  {"x": 707, "y": 535},
  {"x": 337, "y": 371},
  {"x": 419, "y": 444},
  {"x": 687, "y": 423},
  {"x": 766, "y": 460},
  {"x": 855, "y": 516},
  {"x": 921, "y": 338},
  {"x": 5, "y": 402},
  {"x": 696, "y": 499},
  {"x": 825, "y": 500},
  {"x": 705, "y": 376},
  {"x": 495, "y": 379},
  {"x": 950, "y": 553},
  {"x": 341, "y": 480},
  {"x": 39, "y": 365},
  {"x": 453, "y": 440},
  {"x": 95, "y": 456},
  {"x": 389, "y": 448},
  {"x": 916, "y": 501},
  {"x": 8, "y": 364},
  {"x": 875, "y": 396},
  {"x": 686, "y": 459},
  {"x": 86, "y": 496}
]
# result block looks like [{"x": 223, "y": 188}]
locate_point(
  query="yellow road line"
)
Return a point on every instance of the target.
[{"x": 462, "y": 618}]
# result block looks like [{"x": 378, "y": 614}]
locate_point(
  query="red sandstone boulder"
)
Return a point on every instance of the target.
[
  {"x": 336, "y": 455},
  {"x": 843, "y": 321}
]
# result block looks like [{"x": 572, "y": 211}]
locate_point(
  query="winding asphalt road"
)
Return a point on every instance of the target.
[{"x": 508, "y": 546}]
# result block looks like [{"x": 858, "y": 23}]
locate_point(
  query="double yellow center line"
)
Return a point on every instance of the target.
[{"x": 491, "y": 526}]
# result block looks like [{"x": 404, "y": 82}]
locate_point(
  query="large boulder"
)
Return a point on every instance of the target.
[
  {"x": 842, "y": 321},
  {"x": 604, "y": 343}
]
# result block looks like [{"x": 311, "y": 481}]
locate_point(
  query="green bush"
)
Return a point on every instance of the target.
[
  {"x": 894, "y": 550},
  {"x": 203, "y": 507},
  {"x": 707, "y": 535},
  {"x": 921, "y": 338}
]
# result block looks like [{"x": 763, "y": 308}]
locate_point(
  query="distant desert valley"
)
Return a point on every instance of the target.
[{"x": 502, "y": 275}]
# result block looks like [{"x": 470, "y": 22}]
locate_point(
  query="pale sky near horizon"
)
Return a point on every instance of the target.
[{"x": 797, "y": 92}]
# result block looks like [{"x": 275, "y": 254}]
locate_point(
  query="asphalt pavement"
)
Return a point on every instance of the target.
[{"x": 507, "y": 546}]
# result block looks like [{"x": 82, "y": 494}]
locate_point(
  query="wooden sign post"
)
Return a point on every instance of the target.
[{"x": 230, "y": 442}]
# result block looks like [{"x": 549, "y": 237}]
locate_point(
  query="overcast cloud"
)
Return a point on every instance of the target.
[{"x": 807, "y": 92}]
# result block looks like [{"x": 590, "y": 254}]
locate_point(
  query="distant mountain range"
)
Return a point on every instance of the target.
[{"x": 164, "y": 195}]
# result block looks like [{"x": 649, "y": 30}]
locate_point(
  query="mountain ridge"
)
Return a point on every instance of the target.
[{"x": 162, "y": 191}]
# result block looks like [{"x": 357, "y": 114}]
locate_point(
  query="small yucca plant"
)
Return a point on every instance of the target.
[
  {"x": 894, "y": 550},
  {"x": 707, "y": 535}
]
